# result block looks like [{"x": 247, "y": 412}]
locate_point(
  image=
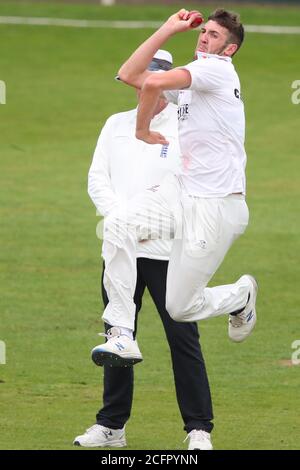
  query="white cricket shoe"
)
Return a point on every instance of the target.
[
  {"x": 100, "y": 436},
  {"x": 241, "y": 325},
  {"x": 199, "y": 440},
  {"x": 118, "y": 351}
]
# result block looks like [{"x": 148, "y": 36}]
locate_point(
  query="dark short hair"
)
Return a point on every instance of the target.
[{"x": 231, "y": 21}]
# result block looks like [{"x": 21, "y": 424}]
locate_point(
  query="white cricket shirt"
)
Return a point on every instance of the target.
[
  {"x": 211, "y": 128},
  {"x": 123, "y": 166}
]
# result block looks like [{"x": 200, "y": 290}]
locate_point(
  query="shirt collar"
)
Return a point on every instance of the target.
[{"x": 205, "y": 55}]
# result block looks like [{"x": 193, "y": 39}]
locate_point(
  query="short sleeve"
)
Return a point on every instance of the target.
[{"x": 206, "y": 74}]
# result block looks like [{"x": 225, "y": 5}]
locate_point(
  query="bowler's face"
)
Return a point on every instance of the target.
[{"x": 213, "y": 38}]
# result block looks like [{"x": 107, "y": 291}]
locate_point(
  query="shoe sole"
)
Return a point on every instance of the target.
[
  {"x": 110, "y": 444},
  {"x": 198, "y": 448},
  {"x": 104, "y": 358}
]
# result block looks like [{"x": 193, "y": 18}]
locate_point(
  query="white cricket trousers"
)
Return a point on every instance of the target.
[{"x": 203, "y": 229}]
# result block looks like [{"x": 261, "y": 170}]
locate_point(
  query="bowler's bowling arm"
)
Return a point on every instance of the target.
[{"x": 152, "y": 89}]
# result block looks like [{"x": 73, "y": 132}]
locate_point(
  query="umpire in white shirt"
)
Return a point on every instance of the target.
[{"x": 122, "y": 167}]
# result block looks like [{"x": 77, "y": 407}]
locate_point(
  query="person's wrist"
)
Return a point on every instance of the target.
[
  {"x": 167, "y": 30},
  {"x": 140, "y": 133}
]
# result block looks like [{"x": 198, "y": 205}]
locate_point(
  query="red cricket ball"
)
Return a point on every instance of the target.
[{"x": 198, "y": 19}]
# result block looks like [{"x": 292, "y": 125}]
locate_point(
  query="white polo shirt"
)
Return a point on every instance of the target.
[
  {"x": 123, "y": 166},
  {"x": 211, "y": 128}
]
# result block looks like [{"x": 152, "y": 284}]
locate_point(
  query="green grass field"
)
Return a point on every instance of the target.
[{"x": 60, "y": 90}]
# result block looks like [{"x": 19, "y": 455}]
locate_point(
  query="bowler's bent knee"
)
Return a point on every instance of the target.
[
  {"x": 186, "y": 310},
  {"x": 174, "y": 312}
]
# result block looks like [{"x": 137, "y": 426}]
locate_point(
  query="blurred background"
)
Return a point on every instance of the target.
[
  {"x": 166, "y": 2},
  {"x": 57, "y": 91}
]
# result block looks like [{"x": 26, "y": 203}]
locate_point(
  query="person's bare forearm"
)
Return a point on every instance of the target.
[
  {"x": 138, "y": 62},
  {"x": 134, "y": 70},
  {"x": 151, "y": 91},
  {"x": 148, "y": 101}
]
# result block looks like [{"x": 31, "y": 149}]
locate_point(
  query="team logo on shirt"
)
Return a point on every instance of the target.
[
  {"x": 183, "y": 112},
  {"x": 154, "y": 188},
  {"x": 237, "y": 94},
  {"x": 164, "y": 151}
]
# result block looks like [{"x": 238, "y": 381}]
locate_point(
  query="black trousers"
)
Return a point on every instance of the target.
[{"x": 191, "y": 382}]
